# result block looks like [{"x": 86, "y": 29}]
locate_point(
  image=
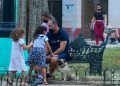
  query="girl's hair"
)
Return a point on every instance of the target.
[
  {"x": 16, "y": 34},
  {"x": 98, "y": 4},
  {"x": 39, "y": 30}
]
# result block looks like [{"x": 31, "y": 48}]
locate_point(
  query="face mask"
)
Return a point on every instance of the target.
[
  {"x": 51, "y": 30},
  {"x": 45, "y": 21},
  {"x": 99, "y": 9}
]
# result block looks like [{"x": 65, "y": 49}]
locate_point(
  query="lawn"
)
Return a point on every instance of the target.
[{"x": 111, "y": 58}]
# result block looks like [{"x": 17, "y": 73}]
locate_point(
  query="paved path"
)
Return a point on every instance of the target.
[
  {"x": 117, "y": 45},
  {"x": 85, "y": 81},
  {"x": 66, "y": 84}
]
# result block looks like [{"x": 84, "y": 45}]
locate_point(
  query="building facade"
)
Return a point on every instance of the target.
[
  {"x": 74, "y": 16},
  {"x": 7, "y": 16},
  {"x": 77, "y": 14}
]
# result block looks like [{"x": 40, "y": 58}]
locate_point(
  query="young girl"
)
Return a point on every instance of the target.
[
  {"x": 17, "y": 58},
  {"x": 37, "y": 56}
]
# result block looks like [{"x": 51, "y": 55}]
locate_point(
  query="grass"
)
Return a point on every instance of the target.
[{"x": 111, "y": 58}]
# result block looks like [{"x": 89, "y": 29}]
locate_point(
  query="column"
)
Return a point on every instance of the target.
[
  {"x": 71, "y": 19},
  {"x": 114, "y": 13}
]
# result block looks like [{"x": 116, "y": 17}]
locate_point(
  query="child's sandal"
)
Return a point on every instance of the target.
[
  {"x": 24, "y": 84},
  {"x": 45, "y": 83},
  {"x": 10, "y": 82}
]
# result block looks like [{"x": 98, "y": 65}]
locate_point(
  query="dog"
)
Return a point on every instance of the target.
[{"x": 65, "y": 70}]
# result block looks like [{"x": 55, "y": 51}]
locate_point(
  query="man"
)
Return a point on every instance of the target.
[{"x": 59, "y": 42}]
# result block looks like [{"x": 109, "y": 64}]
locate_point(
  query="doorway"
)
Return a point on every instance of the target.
[
  {"x": 55, "y": 8},
  {"x": 7, "y": 17}
]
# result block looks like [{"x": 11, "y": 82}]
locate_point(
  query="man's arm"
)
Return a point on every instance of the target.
[{"x": 61, "y": 48}]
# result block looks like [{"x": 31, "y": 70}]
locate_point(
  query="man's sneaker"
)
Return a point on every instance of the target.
[{"x": 10, "y": 81}]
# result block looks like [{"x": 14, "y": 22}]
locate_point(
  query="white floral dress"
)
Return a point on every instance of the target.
[{"x": 17, "y": 62}]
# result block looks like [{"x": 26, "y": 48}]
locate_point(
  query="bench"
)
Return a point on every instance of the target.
[{"x": 82, "y": 52}]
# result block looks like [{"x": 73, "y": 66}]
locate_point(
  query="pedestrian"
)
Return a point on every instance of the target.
[
  {"x": 37, "y": 56},
  {"x": 100, "y": 20},
  {"x": 17, "y": 63}
]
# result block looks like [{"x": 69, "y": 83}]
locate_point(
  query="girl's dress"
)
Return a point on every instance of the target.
[
  {"x": 17, "y": 62},
  {"x": 37, "y": 55}
]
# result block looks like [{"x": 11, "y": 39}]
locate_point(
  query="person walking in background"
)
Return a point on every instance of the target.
[
  {"x": 17, "y": 62},
  {"x": 37, "y": 56},
  {"x": 100, "y": 20}
]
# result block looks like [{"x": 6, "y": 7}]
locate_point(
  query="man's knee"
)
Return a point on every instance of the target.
[
  {"x": 53, "y": 60},
  {"x": 48, "y": 59}
]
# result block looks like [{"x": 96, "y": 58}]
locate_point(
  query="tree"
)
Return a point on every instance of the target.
[
  {"x": 21, "y": 14},
  {"x": 30, "y": 15}
]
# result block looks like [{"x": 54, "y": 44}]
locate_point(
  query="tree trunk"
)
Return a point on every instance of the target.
[
  {"x": 30, "y": 15},
  {"x": 36, "y": 7},
  {"x": 22, "y": 14}
]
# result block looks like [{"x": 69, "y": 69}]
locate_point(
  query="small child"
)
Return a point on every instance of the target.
[
  {"x": 45, "y": 17},
  {"x": 17, "y": 62},
  {"x": 37, "y": 56}
]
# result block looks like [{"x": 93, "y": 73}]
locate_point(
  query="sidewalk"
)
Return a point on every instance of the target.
[
  {"x": 84, "y": 81},
  {"x": 67, "y": 83},
  {"x": 116, "y": 45},
  {"x": 54, "y": 83}
]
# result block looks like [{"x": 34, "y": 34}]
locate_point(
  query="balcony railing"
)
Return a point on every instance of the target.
[{"x": 7, "y": 26}]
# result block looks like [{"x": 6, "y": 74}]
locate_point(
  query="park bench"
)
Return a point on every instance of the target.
[{"x": 82, "y": 52}]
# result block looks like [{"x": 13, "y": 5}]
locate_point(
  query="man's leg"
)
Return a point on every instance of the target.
[
  {"x": 53, "y": 64},
  {"x": 52, "y": 61},
  {"x": 112, "y": 38},
  {"x": 117, "y": 35}
]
